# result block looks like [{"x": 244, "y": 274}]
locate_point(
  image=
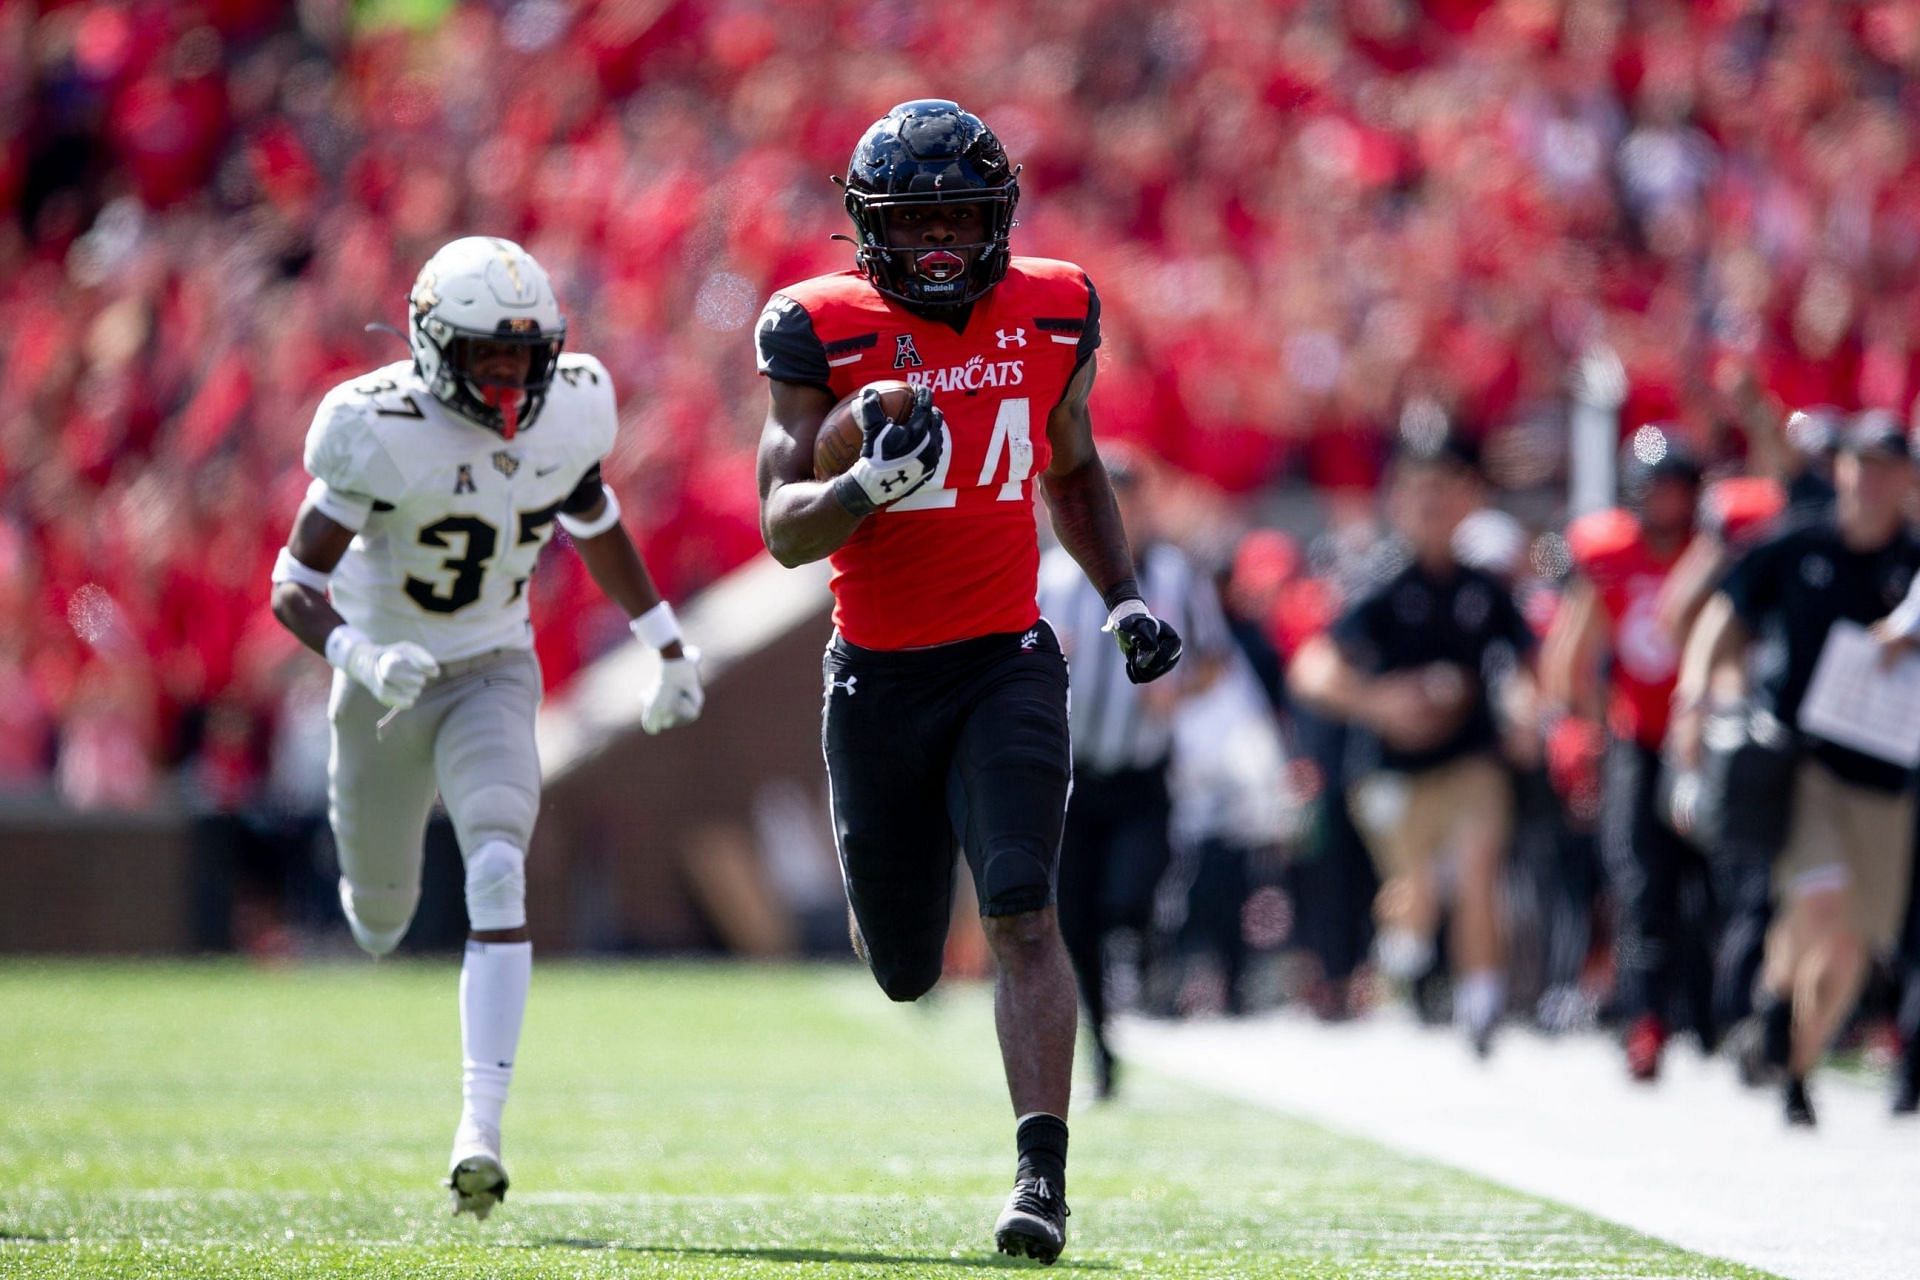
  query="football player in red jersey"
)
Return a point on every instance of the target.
[
  {"x": 946, "y": 717},
  {"x": 1623, "y": 560},
  {"x": 1737, "y": 510}
]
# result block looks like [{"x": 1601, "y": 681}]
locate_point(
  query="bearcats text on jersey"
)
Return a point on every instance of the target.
[{"x": 960, "y": 557}]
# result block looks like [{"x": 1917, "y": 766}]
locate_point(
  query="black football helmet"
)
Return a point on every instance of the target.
[{"x": 930, "y": 152}]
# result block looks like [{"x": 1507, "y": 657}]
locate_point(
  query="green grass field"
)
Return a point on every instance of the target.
[{"x": 667, "y": 1120}]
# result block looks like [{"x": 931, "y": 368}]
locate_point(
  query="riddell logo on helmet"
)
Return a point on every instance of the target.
[{"x": 974, "y": 375}]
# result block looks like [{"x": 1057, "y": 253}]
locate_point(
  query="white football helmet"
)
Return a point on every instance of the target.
[{"x": 484, "y": 289}]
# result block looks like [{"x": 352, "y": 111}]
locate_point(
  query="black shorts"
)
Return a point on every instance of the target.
[{"x": 963, "y": 745}]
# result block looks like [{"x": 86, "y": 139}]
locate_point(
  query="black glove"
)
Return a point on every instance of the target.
[
  {"x": 1150, "y": 646},
  {"x": 896, "y": 458}
]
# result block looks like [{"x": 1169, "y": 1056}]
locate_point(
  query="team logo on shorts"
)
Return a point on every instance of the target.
[
  {"x": 505, "y": 463},
  {"x": 463, "y": 479},
  {"x": 904, "y": 352}
]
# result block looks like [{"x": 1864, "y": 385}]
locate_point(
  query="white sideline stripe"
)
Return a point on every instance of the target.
[
  {"x": 224, "y": 1195},
  {"x": 1694, "y": 1160}
]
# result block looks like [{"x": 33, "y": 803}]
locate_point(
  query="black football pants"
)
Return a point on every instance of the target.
[
  {"x": 1663, "y": 889},
  {"x": 960, "y": 744}
]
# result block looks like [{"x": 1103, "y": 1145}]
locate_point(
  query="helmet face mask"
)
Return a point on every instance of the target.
[
  {"x": 927, "y": 156},
  {"x": 474, "y": 301},
  {"x": 500, "y": 404}
]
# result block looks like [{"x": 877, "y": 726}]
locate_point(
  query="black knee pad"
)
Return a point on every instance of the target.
[
  {"x": 906, "y": 979},
  {"x": 1013, "y": 877}
]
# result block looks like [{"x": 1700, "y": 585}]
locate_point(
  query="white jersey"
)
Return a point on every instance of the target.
[{"x": 450, "y": 516}]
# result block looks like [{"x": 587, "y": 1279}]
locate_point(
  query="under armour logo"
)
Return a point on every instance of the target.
[
  {"x": 1018, "y": 338},
  {"x": 888, "y": 482},
  {"x": 1030, "y": 639},
  {"x": 846, "y": 684},
  {"x": 463, "y": 480},
  {"x": 904, "y": 352}
]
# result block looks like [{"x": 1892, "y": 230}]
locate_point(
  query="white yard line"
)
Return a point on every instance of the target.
[
  {"x": 1694, "y": 1160},
  {"x": 197, "y": 1195}
]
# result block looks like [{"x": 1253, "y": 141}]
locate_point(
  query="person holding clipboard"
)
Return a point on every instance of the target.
[{"x": 1843, "y": 876}]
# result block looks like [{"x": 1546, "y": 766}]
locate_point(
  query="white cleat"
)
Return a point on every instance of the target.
[{"x": 478, "y": 1179}]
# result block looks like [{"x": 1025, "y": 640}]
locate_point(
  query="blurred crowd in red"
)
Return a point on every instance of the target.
[{"x": 1300, "y": 215}]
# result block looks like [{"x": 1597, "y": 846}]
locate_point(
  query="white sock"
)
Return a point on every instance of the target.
[
  {"x": 1478, "y": 999},
  {"x": 1402, "y": 954},
  {"x": 493, "y": 997}
]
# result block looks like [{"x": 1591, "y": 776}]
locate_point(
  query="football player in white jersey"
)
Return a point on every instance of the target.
[{"x": 436, "y": 482}]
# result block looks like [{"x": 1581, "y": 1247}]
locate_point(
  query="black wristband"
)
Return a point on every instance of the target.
[
  {"x": 849, "y": 493},
  {"x": 1120, "y": 592}
]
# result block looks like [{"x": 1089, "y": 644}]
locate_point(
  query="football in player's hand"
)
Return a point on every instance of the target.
[{"x": 837, "y": 446}]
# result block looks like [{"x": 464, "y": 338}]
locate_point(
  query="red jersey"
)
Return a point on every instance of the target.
[
  {"x": 1610, "y": 548},
  {"x": 960, "y": 557},
  {"x": 1739, "y": 509}
]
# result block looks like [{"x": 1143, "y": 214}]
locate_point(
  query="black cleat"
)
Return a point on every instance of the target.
[
  {"x": 1746, "y": 1044},
  {"x": 1034, "y": 1223},
  {"x": 1106, "y": 1073},
  {"x": 1799, "y": 1105},
  {"x": 1906, "y": 1093}
]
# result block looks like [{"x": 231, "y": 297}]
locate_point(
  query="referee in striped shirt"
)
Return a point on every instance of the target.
[{"x": 1116, "y": 846}]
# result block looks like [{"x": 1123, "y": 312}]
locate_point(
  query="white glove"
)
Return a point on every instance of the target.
[
  {"x": 678, "y": 697},
  {"x": 896, "y": 458},
  {"x": 393, "y": 673}
]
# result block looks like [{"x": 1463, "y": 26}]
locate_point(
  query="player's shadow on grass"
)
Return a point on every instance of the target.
[{"x": 780, "y": 1253}]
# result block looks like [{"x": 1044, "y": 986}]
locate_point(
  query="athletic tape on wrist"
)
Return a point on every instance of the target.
[
  {"x": 657, "y": 626},
  {"x": 286, "y": 568},
  {"x": 342, "y": 641},
  {"x": 609, "y": 517}
]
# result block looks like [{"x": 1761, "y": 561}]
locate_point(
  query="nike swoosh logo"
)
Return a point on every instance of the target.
[{"x": 548, "y": 471}]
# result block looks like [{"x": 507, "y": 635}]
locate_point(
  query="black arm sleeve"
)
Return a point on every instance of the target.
[
  {"x": 585, "y": 495},
  {"x": 786, "y": 346},
  {"x": 1089, "y": 336}
]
